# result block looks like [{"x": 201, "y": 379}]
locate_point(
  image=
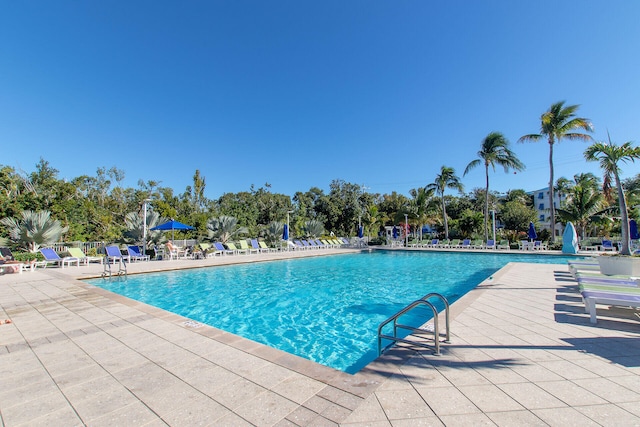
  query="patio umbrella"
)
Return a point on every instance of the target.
[
  {"x": 532, "y": 232},
  {"x": 360, "y": 232},
  {"x": 285, "y": 232},
  {"x": 172, "y": 225},
  {"x": 633, "y": 230},
  {"x": 570, "y": 240}
]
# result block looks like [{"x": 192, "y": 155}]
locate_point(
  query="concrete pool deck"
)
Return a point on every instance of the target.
[{"x": 522, "y": 353}]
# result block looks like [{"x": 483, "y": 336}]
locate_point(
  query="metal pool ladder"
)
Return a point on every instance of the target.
[
  {"x": 122, "y": 267},
  {"x": 417, "y": 332}
]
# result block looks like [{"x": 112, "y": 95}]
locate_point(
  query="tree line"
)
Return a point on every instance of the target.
[{"x": 100, "y": 208}]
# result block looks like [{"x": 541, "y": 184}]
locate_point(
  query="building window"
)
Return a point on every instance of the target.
[
  {"x": 540, "y": 195},
  {"x": 542, "y": 218},
  {"x": 541, "y": 206}
]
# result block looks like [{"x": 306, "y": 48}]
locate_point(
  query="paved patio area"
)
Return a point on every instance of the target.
[{"x": 522, "y": 353}]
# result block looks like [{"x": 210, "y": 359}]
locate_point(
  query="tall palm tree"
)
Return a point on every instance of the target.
[
  {"x": 610, "y": 155},
  {"x": 445, "y": 179},
  {"x": 557, "y": 123},
  {"x": 494, "y": 151},
  {"x": 34, "y": 230}
]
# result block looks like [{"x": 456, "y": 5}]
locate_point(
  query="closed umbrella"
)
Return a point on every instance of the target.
[
  {"x": 633, "y": 230},
  {"x": 285, "y": 233},
  {"x": 360, "y": 232},
  {"x": 532, "y": 232},
  {"x": 172, "y": 225},
  {"x": 570, "y": 240},
  {"x": 394, "y": 232}
]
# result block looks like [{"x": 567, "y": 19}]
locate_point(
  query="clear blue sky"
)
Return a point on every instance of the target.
[{"x": 298, "y": 93}]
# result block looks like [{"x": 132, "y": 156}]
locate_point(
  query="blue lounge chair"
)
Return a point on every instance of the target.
[
  {"x": 298, "y": 245},
  {"x": 607, "y": 245},
  {"x": 466, "y": 244},
  {"x": 491, "y": 244},
  {"x": 51, "y": 257},
  {"x": 136, "y": 255},
  {"x": 114, "y": 254},
  {"x": 224, "y": 251}
]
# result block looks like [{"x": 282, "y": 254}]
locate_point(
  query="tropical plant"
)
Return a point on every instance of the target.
[
  {"x": 494, "y": 151},
  {"x": 610, "y": 156},
  {"x": 555, "y": 124},
  {"x": 135, "y": 228},
  {"x": 584, "y": 201},
  {"x": 314, "y": 228},
  {"x": 273, "y": 232},
  {"x": 34, "y": 230},
  {"x": 445, "y": 179},
  {"x": 419, "y": 207},
  {"x": 224, "y": 228}
]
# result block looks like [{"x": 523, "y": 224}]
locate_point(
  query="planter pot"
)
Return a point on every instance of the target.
[{"x": 619, "y": 265}]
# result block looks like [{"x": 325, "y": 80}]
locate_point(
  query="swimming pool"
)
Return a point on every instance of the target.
[{"x": 326, "y": 309}]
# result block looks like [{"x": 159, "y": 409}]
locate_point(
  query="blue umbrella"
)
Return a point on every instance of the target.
[
  {"x": 285, "y": 232},
  {"x": 569, "y": 240},
  {"x": 395, "y": 232},
  {"x": 172, "y": 225},
  {"x": 532, "y": 232},
  {"x": 633, "y": 230},
  {"x": 360, "y": 232}
]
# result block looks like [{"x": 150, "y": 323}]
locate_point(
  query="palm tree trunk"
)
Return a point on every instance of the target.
[
  {"x": 444, "y": 217},
  {"x": 624, "y": 217},
  {"x": 552, "y": 209},
  {"x": 486, "y": 204}
]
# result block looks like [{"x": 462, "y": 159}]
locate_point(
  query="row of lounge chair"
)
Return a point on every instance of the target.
[
  {"x": 463, "y": 244},
  {"x": 207, "y": 250},
  {"x": 596, "y": 288}
]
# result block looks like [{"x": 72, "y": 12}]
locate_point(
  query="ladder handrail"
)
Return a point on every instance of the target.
[{"x": 419, "y": 302}]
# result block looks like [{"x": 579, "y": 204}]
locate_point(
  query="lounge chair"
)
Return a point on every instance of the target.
[
  {"x": 114, "y": 254},
  {"x": 136, "y": 255},
  {"x": 610, "y": 291},
  {"x": 434, "y": 243},
  {"x": 265, "y": 248},
  {"x": 306, "y": 244},
  {"x": 51, "y": 257},
  {"x": 455, "y": 243},
  {"x": 84, "y": 258},
  {"x": 504, "y": 244},
  {"x": 223, "y": 251},
  {"x": 466, "y": 244},
  {"x": 232, "y": 247},
  {"x": 491, "y": 244},
  {"x": 477, "y": 244},
  {"x": 246, "y": 248},
  {"x": 607, "y": 245},
  {"x": 298, "y": 245},
  {"x": 444, "y": 243},
  {"x": 539, "y": 246}
]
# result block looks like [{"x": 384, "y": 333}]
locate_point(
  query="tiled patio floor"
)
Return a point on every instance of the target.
[{"x": 522, "y": 353}]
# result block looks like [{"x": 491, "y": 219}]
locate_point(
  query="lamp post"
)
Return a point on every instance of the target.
[
  {"x": 144, "y": 226},
  {"x": 406, "y": 230}
]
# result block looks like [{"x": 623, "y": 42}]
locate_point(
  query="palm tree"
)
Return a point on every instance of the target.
[
  {"x": 314, "y": 228},
  {"x": 584, "y": 201},
  {"x": 610, "y": 155},
  {"x": 419, "y": 206},
  {"x": 273, "y": 232},
  {"x": 135, "y": 228},
  {"x": 34, "y": 230},
  {"x": 557, "y": 123},
  {"x": 494, "y": 151},
  {"x": 445, "y": 179},
  {"x": 224, "y": 228}
]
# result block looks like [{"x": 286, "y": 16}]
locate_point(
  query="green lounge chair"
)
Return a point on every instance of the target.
[{"x": 85, "y": 259}]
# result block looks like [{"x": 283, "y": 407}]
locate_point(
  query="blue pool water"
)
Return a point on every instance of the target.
[{"x": 326, "y": 309}]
